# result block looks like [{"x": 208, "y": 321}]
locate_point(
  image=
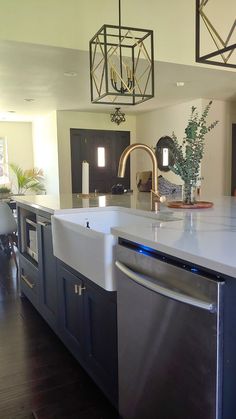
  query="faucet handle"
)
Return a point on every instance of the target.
[
  {"x": 158, "y": 197},
  {"x": 162, "y": 199}
]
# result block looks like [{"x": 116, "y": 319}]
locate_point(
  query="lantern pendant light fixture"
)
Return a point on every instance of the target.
[
  {"x": 121, "y": 65},
  {"x": 213, "y": 46}
]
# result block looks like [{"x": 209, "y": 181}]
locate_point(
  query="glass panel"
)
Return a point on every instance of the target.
[
  {"x": 165, "y": 161},
  {"x": 101, "y": 157},
  {"x": 102, "y": 201}
]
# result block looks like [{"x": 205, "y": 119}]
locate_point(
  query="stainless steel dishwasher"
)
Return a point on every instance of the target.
[{"x": 169, "y": 337}]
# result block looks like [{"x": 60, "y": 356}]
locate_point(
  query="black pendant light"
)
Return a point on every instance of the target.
[
  {"x": 213, "y": 47},
  {"x": 117, "y": 116},
  {"x": 121, "y": 65}
]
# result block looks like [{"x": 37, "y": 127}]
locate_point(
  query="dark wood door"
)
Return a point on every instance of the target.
[
  {"x": 233, "y": 167},
  {"x": 84, "y": 146}
]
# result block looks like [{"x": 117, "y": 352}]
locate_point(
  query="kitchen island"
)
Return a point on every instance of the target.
[
  {"x": 203, "y": 236},
  {"x": 199, "y": 241}
]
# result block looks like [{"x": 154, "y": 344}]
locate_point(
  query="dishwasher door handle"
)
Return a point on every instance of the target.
[{"x": 147, "y": 282}]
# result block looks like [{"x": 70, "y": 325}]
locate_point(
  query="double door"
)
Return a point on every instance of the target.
[{"x": 84, "y": 146}]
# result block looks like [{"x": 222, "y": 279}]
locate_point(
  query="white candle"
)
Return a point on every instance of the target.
[
  {"x": 85, "y": 202},
  {"x": 85, "y": 178}
]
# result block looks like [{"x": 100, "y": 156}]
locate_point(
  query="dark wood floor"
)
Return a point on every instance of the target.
[{"x": 38, "y": 377}]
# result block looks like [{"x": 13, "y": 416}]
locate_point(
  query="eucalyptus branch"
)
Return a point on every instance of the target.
[{"x": 189, "y": 153}]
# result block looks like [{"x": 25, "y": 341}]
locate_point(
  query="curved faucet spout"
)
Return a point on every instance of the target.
[{"x": 155, "y": 197}]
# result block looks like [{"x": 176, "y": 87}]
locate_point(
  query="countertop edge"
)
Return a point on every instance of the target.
[{"x": 200, "y": 261}]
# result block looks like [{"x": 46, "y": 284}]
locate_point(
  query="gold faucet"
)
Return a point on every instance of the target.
[{"x": 155, "y": 197}]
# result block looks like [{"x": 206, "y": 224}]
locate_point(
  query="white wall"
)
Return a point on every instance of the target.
[
  {"x": 19, "y": 144},
  {"x": 72, "y": 23},
  {"x": 229, "y": 147},
  {"x": 215, "y": 164},
  {"x": 161, "y": 122},
  {"x": 46, "y": 150},
  {"x": 85, "y": 120},
  {"x": 233, "y": 112}
]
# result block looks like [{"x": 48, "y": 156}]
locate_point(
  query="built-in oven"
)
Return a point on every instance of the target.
[
  {"x": 31, "y": 241},
  {"x": 29, "y": 237}
]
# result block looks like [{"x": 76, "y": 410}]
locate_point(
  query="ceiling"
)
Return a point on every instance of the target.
[{"x": 29, "y": 71}]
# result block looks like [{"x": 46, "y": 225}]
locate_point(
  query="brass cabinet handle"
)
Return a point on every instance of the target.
[
  {"x": 25, "y": 279},
  {"x": 44, "y": 223},
  {"x": 79, "y": 289},
  {"x": 31, "y": 222}
]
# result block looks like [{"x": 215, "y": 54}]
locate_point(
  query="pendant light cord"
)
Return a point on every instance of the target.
[
  {"x": 119, "y": 13},
  {"x": 121, "y": 70}
]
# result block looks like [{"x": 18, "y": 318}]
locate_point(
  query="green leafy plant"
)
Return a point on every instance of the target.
[
  {"x": 4, "y": 190},
  {"x": 28, "y": 180},
  {"x": 189, "y": 153}
]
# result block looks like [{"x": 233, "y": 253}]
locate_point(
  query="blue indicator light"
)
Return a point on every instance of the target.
[
  {"x": 194, "y": 270},
  {"x": 142, "y": 249}
]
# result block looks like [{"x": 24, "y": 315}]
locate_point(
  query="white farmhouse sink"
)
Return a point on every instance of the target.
[{"x": 90, "y": 250}]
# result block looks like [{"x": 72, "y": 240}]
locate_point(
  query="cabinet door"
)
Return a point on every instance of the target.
[
  {"x": 47, "y": 272},
  {"x": 101, "y": 339},
  {"x": 71, "y": 310}
]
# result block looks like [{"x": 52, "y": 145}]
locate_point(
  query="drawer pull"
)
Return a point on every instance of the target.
[
  {"x": 44, "y": 223},
  {"x": 79, "y": 289},
  {"x": 25, "y": 279}
]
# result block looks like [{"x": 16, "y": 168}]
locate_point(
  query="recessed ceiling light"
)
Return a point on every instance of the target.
[
  {"x": 70, "y": 74},
  {"x": 29, "y": 99},
  {"x": 180, "y": 84}
]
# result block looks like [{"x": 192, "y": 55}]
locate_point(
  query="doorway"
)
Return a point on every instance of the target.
[{"x": 102, "y": 150}]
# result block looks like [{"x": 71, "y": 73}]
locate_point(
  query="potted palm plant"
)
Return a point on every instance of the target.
[
  {"x": 4, "y": 192},
  {"x": 28, "y": 180}
]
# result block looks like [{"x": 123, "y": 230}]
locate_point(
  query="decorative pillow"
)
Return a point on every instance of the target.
[
  {"x": 144, "y": 181},
  {"x": 165, "y": 187}
]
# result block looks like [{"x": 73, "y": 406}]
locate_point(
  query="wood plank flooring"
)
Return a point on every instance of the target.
[{"x": 39, "y": 379}]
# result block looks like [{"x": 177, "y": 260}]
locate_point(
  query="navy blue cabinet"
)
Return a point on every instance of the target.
[
  {"x": 71, "y": 314},
  {"x": 100, "y": 319},
  {"x": 88, "y": 327},
  {"x": 29, "y": 280},
  {"x": 38, "y": 278},
  {"x": 81, "y": 313},
  {"x": 47, "y": 272},
  {"x": 28, "y": 258}
]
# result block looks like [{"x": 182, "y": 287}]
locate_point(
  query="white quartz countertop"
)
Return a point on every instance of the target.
[
  {"x": 52, "y": 203},
  {"x": 205, "y": 237}
]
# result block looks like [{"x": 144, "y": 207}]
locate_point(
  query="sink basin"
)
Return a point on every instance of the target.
[{"x": 82, "y": 239}]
